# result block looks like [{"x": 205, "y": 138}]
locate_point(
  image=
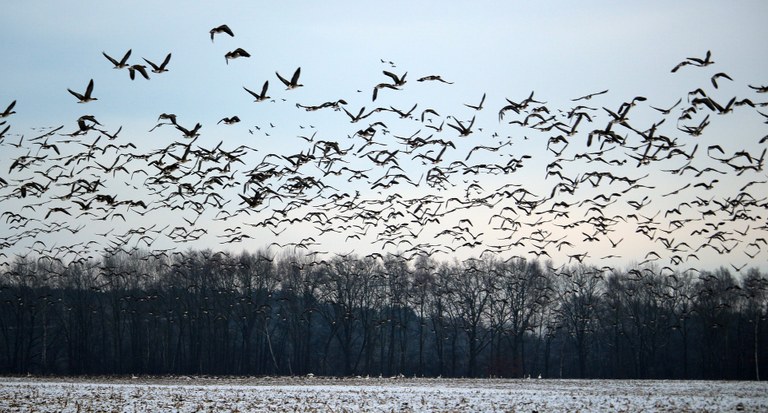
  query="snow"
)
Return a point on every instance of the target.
[{"x": 315, "y": 394}]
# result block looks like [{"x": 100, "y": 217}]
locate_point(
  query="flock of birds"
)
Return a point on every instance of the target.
[{"x": 407, "y": 182}]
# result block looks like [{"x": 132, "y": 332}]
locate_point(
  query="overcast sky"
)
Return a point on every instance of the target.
[{"x": 561, "y": 50}]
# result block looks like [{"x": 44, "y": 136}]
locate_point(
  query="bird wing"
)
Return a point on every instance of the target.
[
  {"x": 114, "y": 62},
  {"x": 165, "y": 62},
  {"x": 75, "y": 94},
  {"x": 89, "y": 89},
  {"x": 154, "y": 66},
  {"x": 295, "y": 78},
  {"x": 125, "y": 58},
  {"x": 282, "y": 79}
]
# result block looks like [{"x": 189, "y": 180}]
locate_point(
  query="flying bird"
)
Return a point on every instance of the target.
[
  {"x": 221, "y": 29},
  {"x": 161, "y": 68},
  {"x": 589, "y": 96},
  {"x": 229, "y": 121},
  {"x": 235, "y": 54},
  {"x": 717, "y": 76},
  {"x": 463, "y": 131},
  {"x": 398, "y": 81},
  {"x": 433, "y": 77},
  {"x": 86, "y": 97},
  {"x": 8, "y": 111},
  {"x": 138, "y": 68},
  {"x": 478, "y": 107},
  {"x": 260, "y": 97},
  {"x": 294, "y": 83},
  {"x": 123, "y": 63},
  {"x": 695, "y": 61}
]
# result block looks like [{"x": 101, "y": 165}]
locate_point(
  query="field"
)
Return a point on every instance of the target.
[{"x": 309, "y": 394}]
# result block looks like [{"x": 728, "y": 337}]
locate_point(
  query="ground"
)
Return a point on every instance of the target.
[{"x": 315, "y": 394}]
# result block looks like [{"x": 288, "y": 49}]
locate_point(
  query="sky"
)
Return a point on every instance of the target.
[{"x": 503, "y": 50}]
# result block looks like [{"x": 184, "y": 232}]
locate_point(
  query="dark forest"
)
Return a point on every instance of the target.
[{"x": 215, "y": 313}]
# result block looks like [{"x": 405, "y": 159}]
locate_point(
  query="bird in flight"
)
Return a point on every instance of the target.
[
  {"x": 235, "y": 54},
  {"x": 8, "y": 111},
  {"x": 589, "y": 96},
  {"x": 433, "y": 77},
  {"x": 398, "y": 81},
  {"x": 717, "y": 76},
  {"x": 138, "y": 68},
  {"x": 86, "y": 97},
  {"x": 695, "y": 61},
  {"x": 478, "y": 107},
  {"x": 161, "y": 68},
  {"x": 229, "y": 121},
  {"x": 221, "y": 29},
  {"x": 123, "y": 63},
  {"x": 294, "y": 83},
  {"x": 263, "y": 95},
  {"x": 463, "y": 130}
]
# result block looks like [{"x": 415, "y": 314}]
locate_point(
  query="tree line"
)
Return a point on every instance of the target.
[{"x": 206, "y": 312}]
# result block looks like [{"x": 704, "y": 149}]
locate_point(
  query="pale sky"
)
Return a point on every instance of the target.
[{"x": 561, "y": 50}]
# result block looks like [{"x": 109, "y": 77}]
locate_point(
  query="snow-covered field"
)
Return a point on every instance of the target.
[{"x": 188, "y": 394}]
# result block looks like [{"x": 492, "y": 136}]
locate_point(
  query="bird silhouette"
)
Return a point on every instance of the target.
[
  {"x": 123, "y": 63},
  {"x": 221, "y": 29},
  {"x": 234, "y": 54},
  {"x": 260, "y": 97},
  {"x": 294, "y": 83},
  {"x": 159, "y": 68},
  {"x": 85, "y": 97},
  {"x": 8, "y": 110}
]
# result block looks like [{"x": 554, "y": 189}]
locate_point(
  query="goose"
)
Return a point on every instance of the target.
[
  {"x": 123, "y": 63},
  {"x": 8, "y": 111},
  {"x": 221, "y": 29},
  {"x": 399, "y": 81},
  {"x": 589, "y": 96},
  {"x": 463, "y": 131},
  {"x": 161, "y": 68},
  {"x": 381, "y": 86},
  {"x": 294, "y": 83},
  {"x": 235, "y": 54},
  {"x": 262, "y": 96},
  {"x": 229, "y": 121},
  {"x": 717, "y": 76},
  {"x": 433, "y": 77},
  {"x": 86, "y": 97},
  {"x": 138, "y": 68},
  {"x": 478, "y": 107}
]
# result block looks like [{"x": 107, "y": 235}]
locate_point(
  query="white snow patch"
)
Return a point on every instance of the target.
[{"x": 307, "y": 394}]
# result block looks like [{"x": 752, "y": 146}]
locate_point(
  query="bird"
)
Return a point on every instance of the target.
[
  {"x": 235, "y": 54},
  {"x": 86, "y": 97},
  {"x": 123, "y": 63},
  {"x": 695, "y": 61},
  {"x": 294, "y": 83},
  {"x": 589, "y": 96},
  {"x": 260, "y": 97},
  {"x": 161, "y": 68},
  {"x": 8, "y": 111},
  {"x": 433, "y": 77},
  {"x": 667, "y": 111},
  {"x": 189, "y": 133},
  {"x": 382, "y": 86},
  {"x": 398, "y": 80},
  {"x": 229, "y": 121},
  {"x": 221, "y": 29},
  {"x": 717, "y": 76},
  {"x": 463, "y": 131},
  {"x": 478, "y": 107},
  {"x": 138, "y": 68}
]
